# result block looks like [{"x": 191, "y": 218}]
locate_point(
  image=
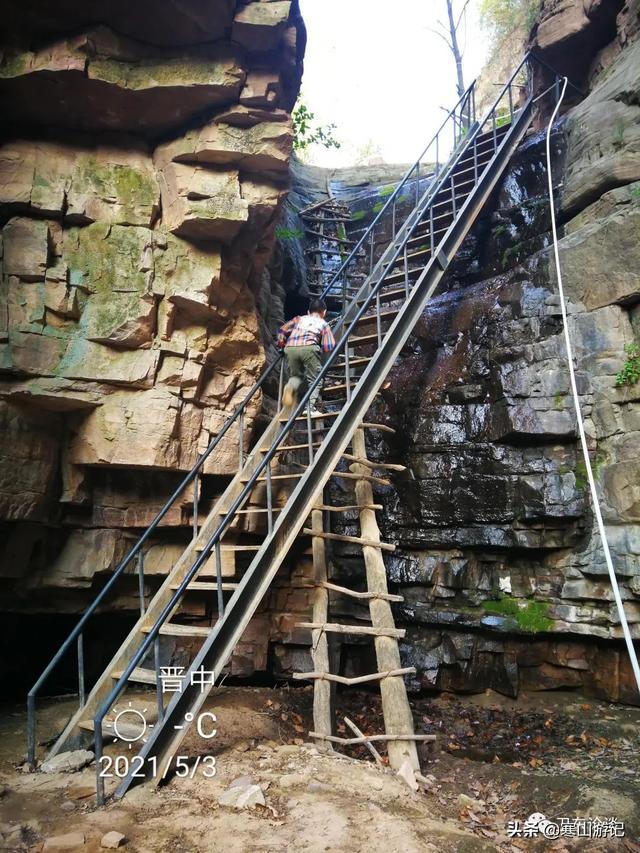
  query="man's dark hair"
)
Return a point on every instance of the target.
[{"x": 317, "y": 306}]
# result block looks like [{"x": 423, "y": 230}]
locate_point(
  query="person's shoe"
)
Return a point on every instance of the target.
[
  {"x": 290, "y": 392},
  {"x": 316, "y": 413}
]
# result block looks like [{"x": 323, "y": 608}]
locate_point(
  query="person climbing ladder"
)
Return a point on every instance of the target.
[{"x": 303, "y": 339}]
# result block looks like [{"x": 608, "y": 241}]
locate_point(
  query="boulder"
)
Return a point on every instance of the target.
[
  {"x": 68, "y": 762},
  {"x": 103, "y": 81},
  {"x": 242, "y": 797},
  {"x": 113, "y": 840},
  {"x": 69, "y": 841}
]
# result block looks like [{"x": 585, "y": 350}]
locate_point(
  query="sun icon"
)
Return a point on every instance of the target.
[{"x": 129, "y": 725}]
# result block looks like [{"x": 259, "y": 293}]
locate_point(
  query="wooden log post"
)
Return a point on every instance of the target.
[
  {"x": 322, "y": 689},
  {"x": 398, "y": 719}
]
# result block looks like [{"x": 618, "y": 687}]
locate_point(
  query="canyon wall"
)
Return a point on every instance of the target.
[
  {"x": 143, "y": 163},
  {"x": 498, "y": 559},
  {"x": 143, "y": 168}
]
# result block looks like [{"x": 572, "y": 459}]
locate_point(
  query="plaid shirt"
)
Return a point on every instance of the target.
[{"x": 308, "y": 330}]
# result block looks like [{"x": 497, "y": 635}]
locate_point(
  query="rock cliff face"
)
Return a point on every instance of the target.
[
  {"x": 143, "y": 163},
  {"x": 500, "y": 565},
  {"x": 499, "y": 562},
  {"x": 143, "y": 167}
]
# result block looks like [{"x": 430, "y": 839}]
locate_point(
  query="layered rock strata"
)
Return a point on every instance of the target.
[{"x": 143, "y": 164}]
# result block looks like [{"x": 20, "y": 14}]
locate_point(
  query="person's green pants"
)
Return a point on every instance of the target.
[{"x": 305, "y": 364}]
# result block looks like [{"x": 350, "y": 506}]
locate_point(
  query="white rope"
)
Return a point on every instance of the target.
[{"x": 576, "y": 402}]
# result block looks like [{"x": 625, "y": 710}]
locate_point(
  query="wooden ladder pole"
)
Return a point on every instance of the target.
[
  {"x": 398, "y": 719},
  {"x": 322, "y": 688}
]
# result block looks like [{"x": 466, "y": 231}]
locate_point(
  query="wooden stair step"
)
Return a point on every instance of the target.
[
  {"x": 140, "y": 675},
  {"x": 172, "y": 629},
  {"x": 127, "y": 730},
  {"x": 205, "y": 586},
  {"x": 372, "y": 318},
  {"x": 230, "y": 548},
  {"x": 363, "y": 341},
  {"x": 320, "y": 416}
]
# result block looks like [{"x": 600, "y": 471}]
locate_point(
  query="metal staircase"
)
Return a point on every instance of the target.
[{"x": 267, "y": 503}]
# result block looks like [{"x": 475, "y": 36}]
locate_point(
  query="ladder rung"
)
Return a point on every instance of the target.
[
  {"x": 352, "y": 593},
  {"x": 368, "y": 463},
  {"x": 348, "y": 507},
  {"x": 355, "y": 540},
  {"x": 360, "y": 679},
  {"x": 354, "y": 741},
  {"x": 335, "y": 628}
]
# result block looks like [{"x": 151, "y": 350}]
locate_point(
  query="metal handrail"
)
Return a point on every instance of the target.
[
  {"x": 76, "y": 633},
  {"x": 469, "y": 93},
  {"x": 265, "y": 462}
]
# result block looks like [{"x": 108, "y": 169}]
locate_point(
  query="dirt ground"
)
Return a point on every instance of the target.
[{"x": 494, "y": 761}]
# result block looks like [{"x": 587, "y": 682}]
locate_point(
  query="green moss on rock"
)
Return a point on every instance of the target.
[{"x": 529, "y": 615}]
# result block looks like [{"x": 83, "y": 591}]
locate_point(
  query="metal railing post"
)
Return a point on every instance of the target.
[
  {"x": 196, "y": 489},
  {"x": 218, "y": 552},
  {"x": 143, "y": 605},
  {"x": 97, "y": 750},
  {"x": 156, "y": 666},
  {"x": 371, "y": 251},
  {"x": 269, "y": 500},
  {"x": 281, "y": 381},
  {"x": 347, "y": 373},
  {"x": 31, "y": 730},
  {"x": 81, "y": 687},
  {"x": 309, "y": 431},
  {"x": 241, "y": 440},
  {"x": 406, "y": 273}
]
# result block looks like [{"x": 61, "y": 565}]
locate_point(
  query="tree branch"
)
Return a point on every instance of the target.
[
  {"x": 464, "y": 9},
  {"x": 444, "y": 38}
]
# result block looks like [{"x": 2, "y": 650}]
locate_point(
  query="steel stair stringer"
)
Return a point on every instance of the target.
[
  {"x": 219, "y": 644},
  {"x": 72, "y": 736}
]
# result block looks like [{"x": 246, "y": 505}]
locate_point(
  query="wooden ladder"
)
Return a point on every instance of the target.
[{"x": 398, "y": 720}]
